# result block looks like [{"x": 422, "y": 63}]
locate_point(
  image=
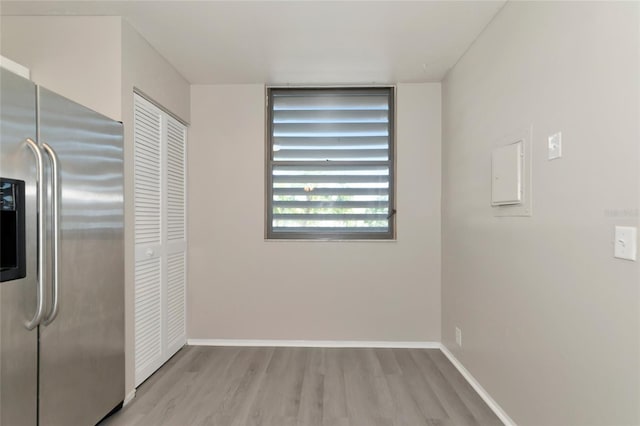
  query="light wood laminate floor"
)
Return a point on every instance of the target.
[{"x": 228, "y": 386}]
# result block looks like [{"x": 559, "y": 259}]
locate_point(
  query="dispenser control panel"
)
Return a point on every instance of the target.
[{"x": 12, "y": 230}]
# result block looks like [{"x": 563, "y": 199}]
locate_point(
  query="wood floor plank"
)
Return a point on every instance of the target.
[
  {"x": 312, "y": 394},
  {"x": 305, "y": 387},
  {"x": 147, "y": 400},
  {"x": 456, "y": 410},
  {"x": 420, "y": 389},
  {"x": 292, "y": 382},
  {"x": 219, "y": 383},
  {"x": 185, "y": 395},
  {"x": 172, "y": 402},
  {"x": 209, "y": 374},
  {"x": 388, "y": 361},
  {"x": 334, "y": 404},
  {"x": 480, "y": 410},
  {"x": 368, "y": 398},
  {"x": 225, "y": 402},
  {"x": 236, "y": 407},
  {"x": 343, "y": 421},
  {"x": 363, "y": 405},
  {"x": 278, "y": 400},
  {"x": 406, "y": 411},
  {"x": 265, "y": 407}
]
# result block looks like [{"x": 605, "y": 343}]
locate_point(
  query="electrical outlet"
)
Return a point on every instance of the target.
[{"x": 459, "y": 337}]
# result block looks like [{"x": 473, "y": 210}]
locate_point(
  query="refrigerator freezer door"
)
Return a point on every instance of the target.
[
  {"x": 82, "y": 350},
  {"x": 19, "y": 346}
]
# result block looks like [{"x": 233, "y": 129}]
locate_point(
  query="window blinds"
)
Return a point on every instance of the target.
[{"x": 330, "y": 171}]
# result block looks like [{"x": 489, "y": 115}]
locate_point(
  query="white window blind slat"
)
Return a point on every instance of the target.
[
  {"x": 315, "y": 143},
  {"x": 329, "y": 99}
]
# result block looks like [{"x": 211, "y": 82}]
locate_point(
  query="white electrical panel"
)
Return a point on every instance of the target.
[{"x": 506, "y": 174}]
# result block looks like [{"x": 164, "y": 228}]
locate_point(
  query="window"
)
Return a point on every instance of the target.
[{"x": 330, "y": 163}]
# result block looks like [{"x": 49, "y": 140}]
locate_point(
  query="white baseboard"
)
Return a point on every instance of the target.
[
  {"x": 129, "y": 398},
  {"x": 502, "y": 415},
  {"x": 314, "y": 343}
]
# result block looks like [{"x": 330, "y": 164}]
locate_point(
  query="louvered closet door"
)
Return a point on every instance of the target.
[
  {"x": 160, "y": 237},
  {"x": 148, "y": 238},
  {"x": 176, "y": 263}
]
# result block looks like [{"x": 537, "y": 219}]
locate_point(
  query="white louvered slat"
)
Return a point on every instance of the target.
[
  {"x": 148, "y": 330},
  {"x": 176, "y": 274},
  {"x": 176, "y": 133},
  {"x": 147, "y": 175}
]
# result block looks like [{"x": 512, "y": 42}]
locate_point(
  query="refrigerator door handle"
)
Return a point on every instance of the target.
[
  {"x": 40, "y": 293},
  {"x": 55, "y": 221}
]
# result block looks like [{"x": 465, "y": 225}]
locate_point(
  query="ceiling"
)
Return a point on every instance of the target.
[{"x": 293, "y": 42}]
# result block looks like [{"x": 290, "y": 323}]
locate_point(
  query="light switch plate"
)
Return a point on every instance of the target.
[
  {"x": 555, "y": 146},
  {"x": 625, "y": 242}
]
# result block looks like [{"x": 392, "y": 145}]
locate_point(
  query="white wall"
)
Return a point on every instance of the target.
[
  {"x": 75, "y": 56},
  {"x": 144, "y": 69},
  {"x": 243, "y": 287},
  {"x": 550, "y": 320}
]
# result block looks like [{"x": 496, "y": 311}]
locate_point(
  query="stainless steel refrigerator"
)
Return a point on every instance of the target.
[{"x": 62, "y": 252}]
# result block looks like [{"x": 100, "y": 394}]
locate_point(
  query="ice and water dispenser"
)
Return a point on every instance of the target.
[{"x": 12, "y": 230}]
